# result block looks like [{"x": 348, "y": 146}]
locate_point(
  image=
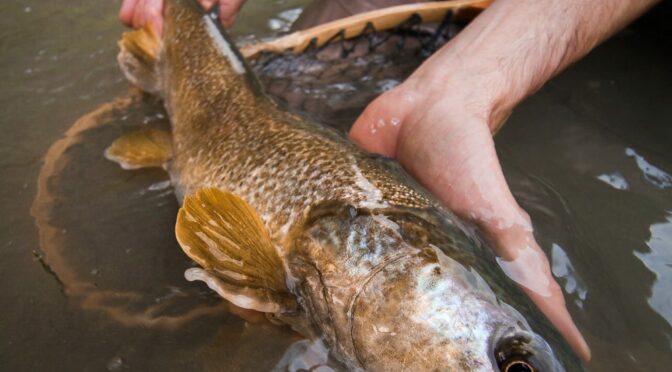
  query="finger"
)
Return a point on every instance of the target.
[
  {"x": 524, "y": 262},
  {"x": 126, "y": 11},
  {"x": 555, "y": 310},
  {"x": 228, "y": 10},
  {"x": 521, "y": 258},
  {"x": 207, "y": 4},
  {"x": 149, "y": 11},
  {"x": 139, "y": 14},
  {"x": 154, "y": 14}
]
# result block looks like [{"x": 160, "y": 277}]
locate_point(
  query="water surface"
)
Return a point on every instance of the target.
[{"x": 92, "y": 279}]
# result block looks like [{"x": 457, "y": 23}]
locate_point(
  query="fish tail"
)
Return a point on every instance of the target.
[{"x": 138, "y": 58}]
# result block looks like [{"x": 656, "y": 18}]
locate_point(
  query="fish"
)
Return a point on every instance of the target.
[{"x": 285, "y": 216}]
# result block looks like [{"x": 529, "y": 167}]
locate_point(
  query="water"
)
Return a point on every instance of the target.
[{"x": 92, "y": 279}]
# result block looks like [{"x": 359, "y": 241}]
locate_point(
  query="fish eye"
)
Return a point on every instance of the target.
[
  {"x": 513, "y": 354},
  {"x": 517, "y": 365}
]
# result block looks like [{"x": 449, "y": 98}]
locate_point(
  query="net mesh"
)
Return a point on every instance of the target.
[{"x": 334, "y": 82}]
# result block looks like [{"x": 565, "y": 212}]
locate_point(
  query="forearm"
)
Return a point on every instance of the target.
[{"x": 514, "y": 47}]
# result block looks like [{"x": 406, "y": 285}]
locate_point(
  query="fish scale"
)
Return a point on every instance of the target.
[{"x": 248, "y": 146}]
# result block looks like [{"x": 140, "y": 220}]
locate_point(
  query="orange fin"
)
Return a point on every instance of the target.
[
  {"x": 226, "y": 236},
  {"x": 138, "y": 58},
  {"x": 144, "y": 148}
]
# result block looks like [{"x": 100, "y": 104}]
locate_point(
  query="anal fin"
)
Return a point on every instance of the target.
[{"x": 143, "y": 148}]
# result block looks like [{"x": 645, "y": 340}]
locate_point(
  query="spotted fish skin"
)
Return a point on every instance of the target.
[
  {"x": 229, "y": 135},
  {"x": 385, "y": 276}
]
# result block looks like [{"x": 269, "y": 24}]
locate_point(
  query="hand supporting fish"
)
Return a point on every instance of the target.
[{"x": 446, "y": 111}]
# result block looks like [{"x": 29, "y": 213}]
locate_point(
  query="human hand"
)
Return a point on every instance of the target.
[
  {"x": 445, "y": 141},
  {"x": 438, "y": 123},
  {"x": 137, "y": 13}
]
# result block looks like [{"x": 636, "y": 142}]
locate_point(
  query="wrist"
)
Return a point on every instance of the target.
[{"x": 477, "y": 88}]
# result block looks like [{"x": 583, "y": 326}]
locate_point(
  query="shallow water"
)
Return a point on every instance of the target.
[{"x": 92, "y": 279}]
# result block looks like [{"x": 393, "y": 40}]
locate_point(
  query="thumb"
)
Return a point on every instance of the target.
[
  {"x": 228, "y": 10},
  {"x": 126, "y": 11},
  {"x": 377, "y": 128},
  {"x": 154, "y": 14}
]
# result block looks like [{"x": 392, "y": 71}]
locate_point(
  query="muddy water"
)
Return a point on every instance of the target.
[{"x": 92, "y": 278}]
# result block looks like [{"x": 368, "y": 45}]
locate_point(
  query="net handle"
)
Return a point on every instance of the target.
[{"x": 353, "y": 26}]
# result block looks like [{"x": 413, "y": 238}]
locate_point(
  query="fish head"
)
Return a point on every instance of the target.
[
  {"x": 384, "y": 297},
  {"x": 430, "y": 311}
]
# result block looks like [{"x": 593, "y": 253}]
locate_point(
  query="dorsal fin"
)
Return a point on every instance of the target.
[
  {"x": 143, "y": 148},
  {"x": 226, "y": 236}
]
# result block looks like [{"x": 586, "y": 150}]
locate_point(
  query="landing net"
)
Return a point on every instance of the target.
[{"x": 335, "y": 81}]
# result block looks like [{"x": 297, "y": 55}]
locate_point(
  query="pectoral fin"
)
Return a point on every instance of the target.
[
  {"x": 225, "y": 236},
  {"x": 143, "y": 148}
]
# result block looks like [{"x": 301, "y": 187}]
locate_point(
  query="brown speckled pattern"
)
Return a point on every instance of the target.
[{"x": 270, "y": 158}]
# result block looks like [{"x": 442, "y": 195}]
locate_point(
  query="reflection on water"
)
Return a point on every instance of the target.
[
  {"x": 659, "y": 261},
  {"x": 615, "y": 180},
  {"x": 565, "y": 272},
  {"x": 106, "y": 236},
  {"x": 588, "y": 157},
  {"x": 283, "y": 21},
  {"x": 61, "y": 214},
  {"x": 653, "y": 174}
]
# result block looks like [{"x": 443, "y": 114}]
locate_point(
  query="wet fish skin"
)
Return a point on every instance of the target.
[
  {"x": 385, "y": 276},
  {"x": 272, "y": 157}
]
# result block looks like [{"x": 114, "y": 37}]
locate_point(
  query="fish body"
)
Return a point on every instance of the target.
[{"x": 287, "y": 217}]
